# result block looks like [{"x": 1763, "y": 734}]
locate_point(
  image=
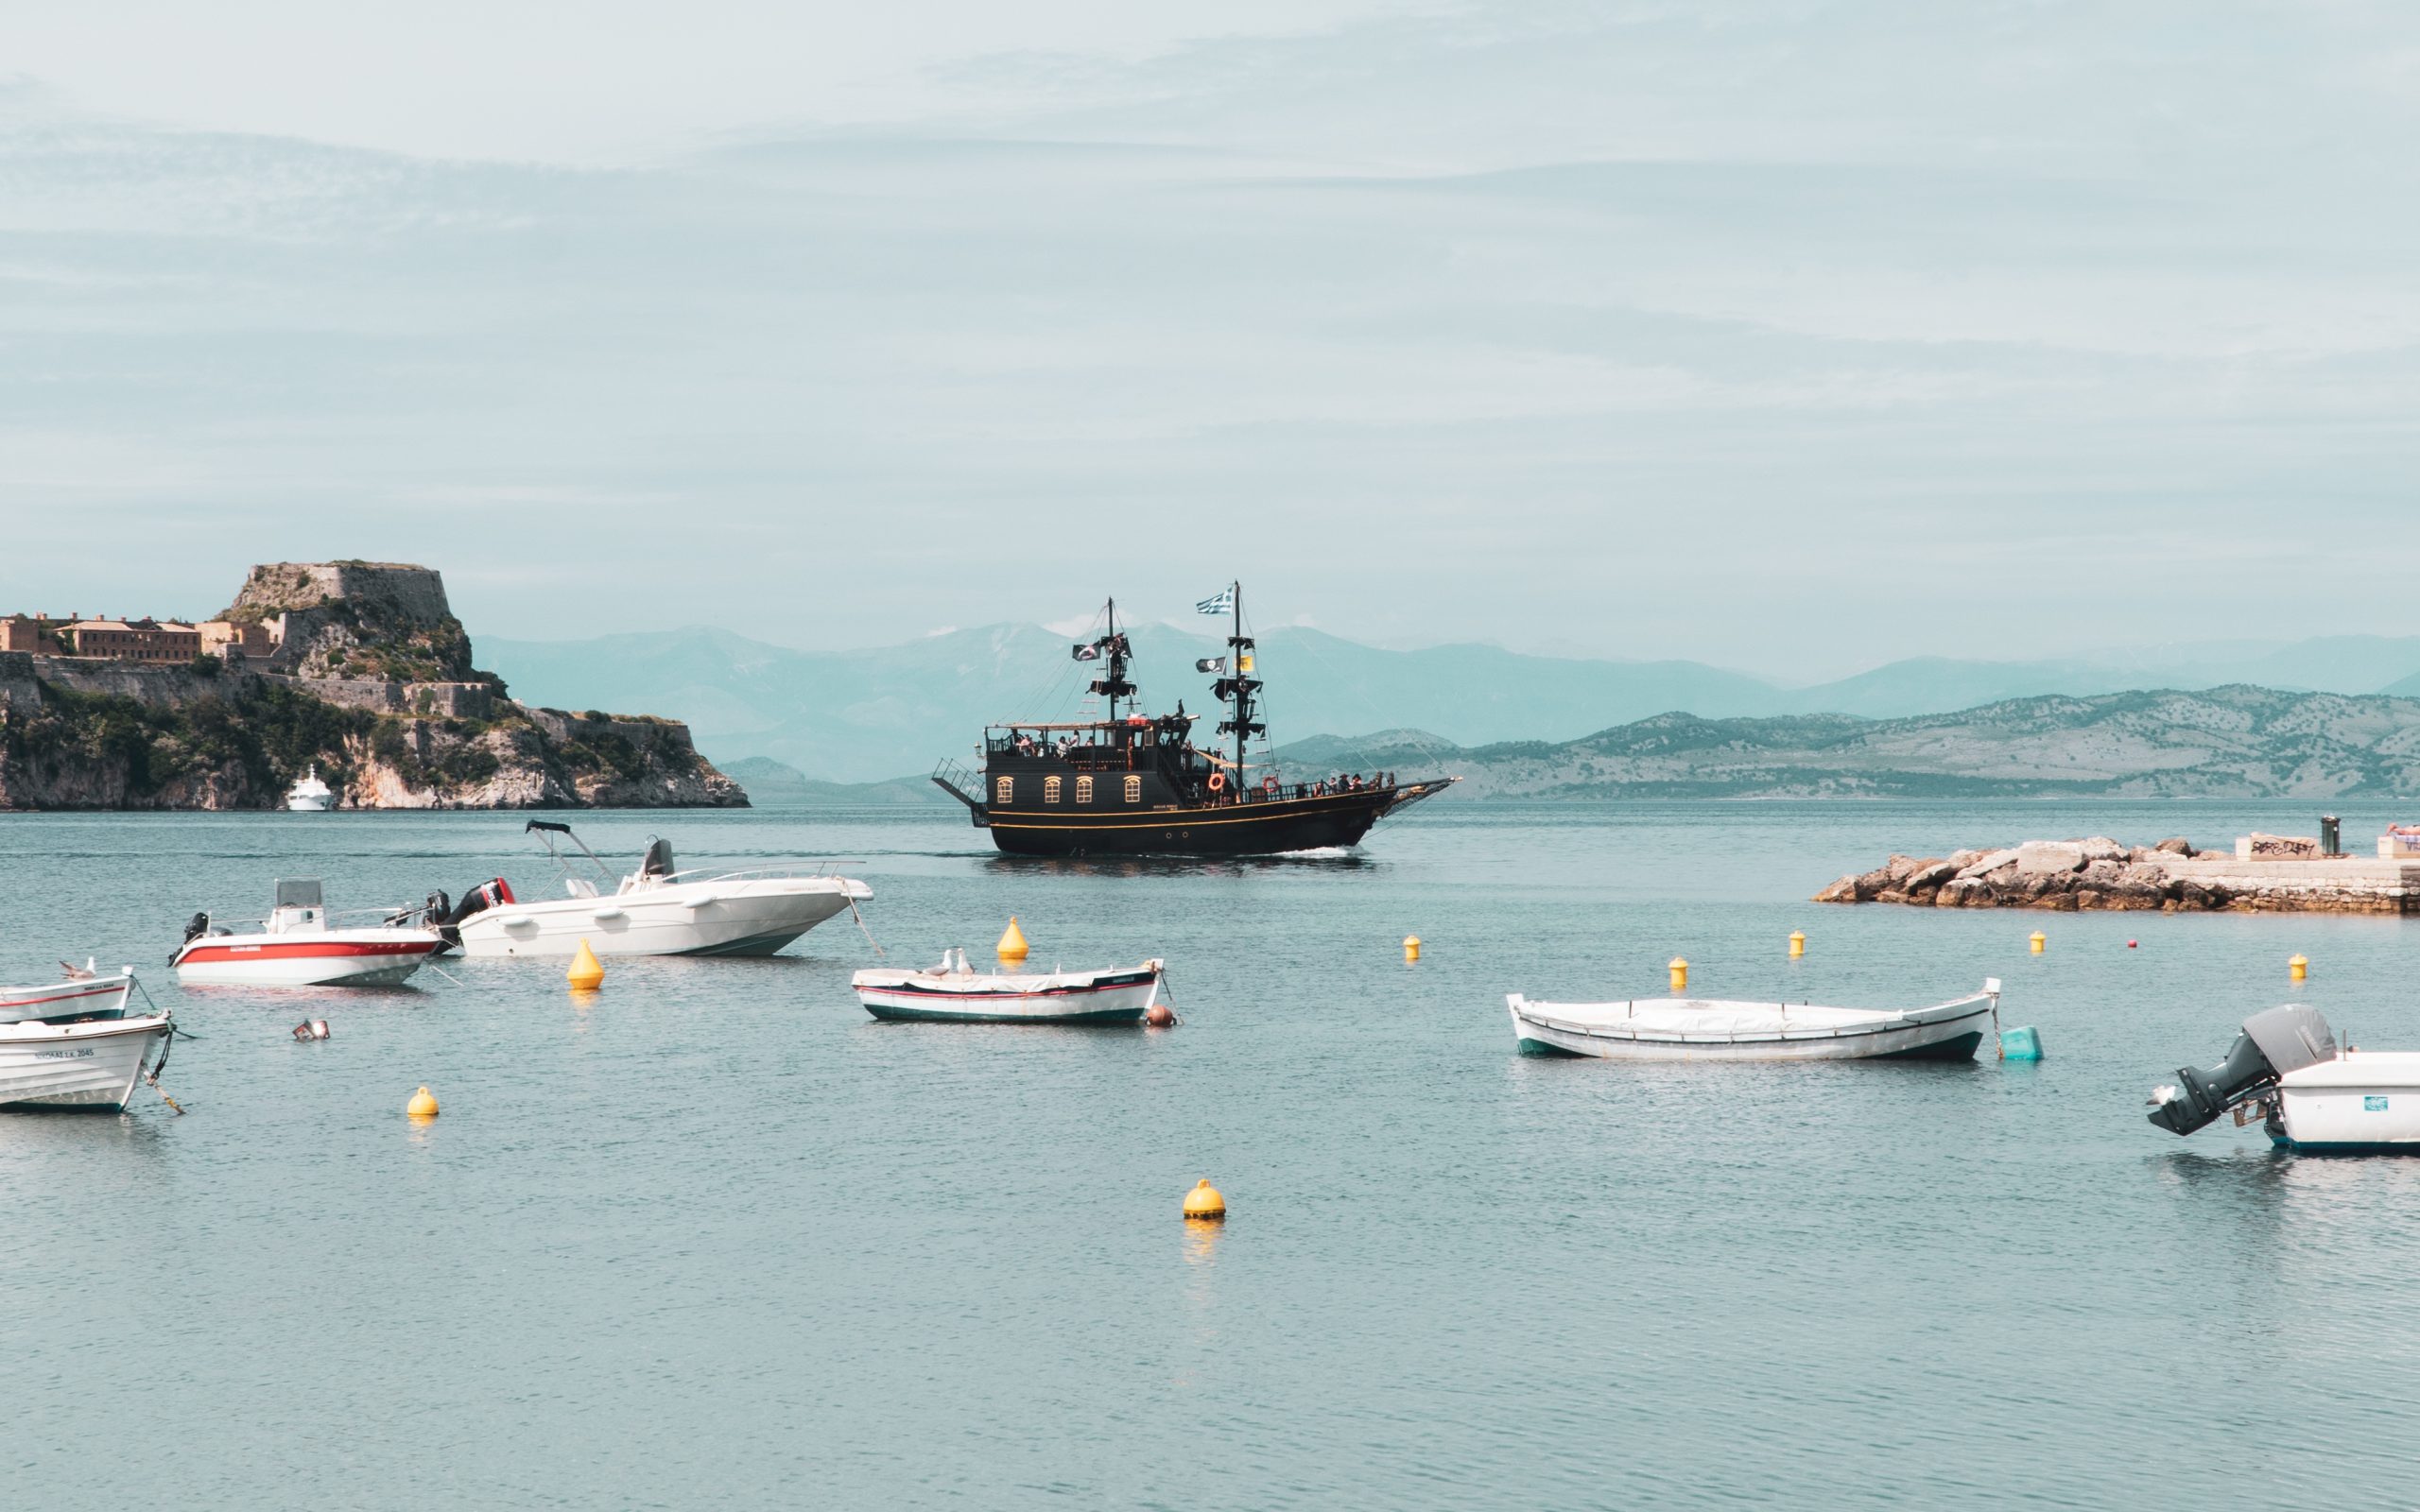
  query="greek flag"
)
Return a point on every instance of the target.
[{"x": 1223, "y": 601}]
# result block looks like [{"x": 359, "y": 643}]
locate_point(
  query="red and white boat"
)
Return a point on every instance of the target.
[
  {"x": 953, "y": 993},
  {"x": 299, "y": 946},
  {"x": 84, "y": 995}
]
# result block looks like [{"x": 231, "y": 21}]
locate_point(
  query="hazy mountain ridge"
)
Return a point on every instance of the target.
[
  {"x": 870, "y": 715},
  {"x": 2231, "y": 742}
]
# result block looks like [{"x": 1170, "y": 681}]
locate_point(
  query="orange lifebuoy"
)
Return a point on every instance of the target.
[
  {"x": 1217, "y": 781},
  {"x": 1269, "y": 784}
]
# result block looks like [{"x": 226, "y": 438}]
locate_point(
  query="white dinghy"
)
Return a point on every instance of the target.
[
  {"x": 71, "y": 1045},
  {"x": 955, "y": 992},
  {"x": 85, "y": 995},
  {"x": 656, "y": 910},
  {"x": 2286, "y": 1071},
  {"x": 1712, "y": 1029}
]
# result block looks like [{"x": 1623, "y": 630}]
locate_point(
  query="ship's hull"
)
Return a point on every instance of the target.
[{"x": 1257, "y": 827}]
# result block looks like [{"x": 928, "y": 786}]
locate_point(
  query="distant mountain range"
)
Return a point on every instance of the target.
[
  {"x": 868, "y": 715},
  {"x": 2230, "y": 742}
]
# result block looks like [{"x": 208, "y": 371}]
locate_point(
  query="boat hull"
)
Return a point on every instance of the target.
[
  {"x": 1256, "y": 827},
  {"x": 706, "y": 919},
  {"x": 272, "y": 960},
  {"x": 1951, "y": 1033},
  {"x": 2363, "y": 1103},
  {"x": 1122, "y": 997},
  {"x": 86, "y": 1067}
]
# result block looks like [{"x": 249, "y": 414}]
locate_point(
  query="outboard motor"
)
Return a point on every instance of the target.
[
  {"x": 196, "y": 926},
  {"x": 2273, "y": 1043},
  {"x": 447, "y": 921}
]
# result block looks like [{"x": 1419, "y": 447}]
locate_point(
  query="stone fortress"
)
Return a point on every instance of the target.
[
  {"x": 293, "y": 621},
  {"x": 410, "y": 721}
]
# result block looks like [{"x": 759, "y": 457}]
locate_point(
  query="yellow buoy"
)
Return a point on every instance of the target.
[
  {"x": 1204, "y": 1202},
  {"x": 1680, "y": 969},
  {"x": 2299, "y": 967},
  {"x": 587, "y": 972},
  {"x": 2039, "y": 940},
  {"x": 1012, "y": 946},
  {"x": 423, "y": 1105},
  {"x": 1412, "y": 947},
  {"x": 1797, "y": 942}
]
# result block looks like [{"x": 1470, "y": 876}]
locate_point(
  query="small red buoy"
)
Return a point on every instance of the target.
[
  {"x": 1161, "y": 1016},
  {"x": 2129, "y": 944}
]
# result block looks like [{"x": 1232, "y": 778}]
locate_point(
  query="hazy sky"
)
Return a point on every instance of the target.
[{"x": 1795, "y": 336}]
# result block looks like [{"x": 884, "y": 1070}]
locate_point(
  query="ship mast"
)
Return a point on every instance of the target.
[
  {"x": 1113, "y": 644},
  {"x": 1236, "y": 688}
]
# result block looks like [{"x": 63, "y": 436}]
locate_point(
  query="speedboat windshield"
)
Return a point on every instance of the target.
[{"x": 298, "y": 892}]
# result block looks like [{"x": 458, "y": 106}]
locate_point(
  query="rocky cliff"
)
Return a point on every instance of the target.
[{"x": 373, "y": 683}]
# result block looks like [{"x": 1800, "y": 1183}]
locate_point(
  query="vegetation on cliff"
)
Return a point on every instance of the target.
[{"x": 370, "y": 681}]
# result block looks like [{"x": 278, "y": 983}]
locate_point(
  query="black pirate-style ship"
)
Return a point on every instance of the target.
[{"x": 1136, "y": 785}]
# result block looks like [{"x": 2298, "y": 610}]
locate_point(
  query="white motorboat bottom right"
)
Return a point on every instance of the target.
[
  {"x": 1714, "y": 1029},
  {"x": 2285, "y": 1069}
]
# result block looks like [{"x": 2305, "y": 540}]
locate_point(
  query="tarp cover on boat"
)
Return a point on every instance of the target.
[{"x": 1706, "y": 1016}]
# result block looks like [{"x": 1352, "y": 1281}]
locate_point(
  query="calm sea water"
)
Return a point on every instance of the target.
[{"x": 718, "y": 1238}]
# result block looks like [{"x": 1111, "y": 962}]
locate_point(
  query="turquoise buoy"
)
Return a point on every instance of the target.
[{"x": 2020, "y": 1044}]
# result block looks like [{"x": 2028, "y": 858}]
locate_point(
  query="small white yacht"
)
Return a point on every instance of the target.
[
  {"x": 657, "y": 910},
  {"x": 309, "y": 795},
  {"x": 298, "y": 945}
]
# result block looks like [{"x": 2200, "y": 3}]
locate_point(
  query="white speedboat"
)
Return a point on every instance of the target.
[
  {"x": 309, "y": 795},
  {"x": 2286, "y": 1071},
  {"x": 1711, "y": 1029},
  {"x": 955, "y": 992},
  {"x": 298, "y": 945},
  {"x": 657, "y": 910},
  {"x": 70, "y": 1044}
]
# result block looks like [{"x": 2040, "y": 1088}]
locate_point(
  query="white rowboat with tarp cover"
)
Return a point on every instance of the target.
[
  {"x": 955, "y": 992},
  {"x": 1712, "y": 1029}
]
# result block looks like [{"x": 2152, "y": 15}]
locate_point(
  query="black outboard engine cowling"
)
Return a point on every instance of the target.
[
  {"x": 2273, "y": 1043},
  {"x": 447, "y": 921}
]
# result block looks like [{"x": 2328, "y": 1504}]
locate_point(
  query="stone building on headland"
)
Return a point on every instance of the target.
[
  {"x": 160, "y": 642},
  {"x": 168, "y": 642}
]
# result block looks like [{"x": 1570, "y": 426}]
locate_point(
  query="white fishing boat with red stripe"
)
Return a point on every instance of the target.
[
  {"x": 954, "y": 993},
  {"x": 85, "y": 995},
  {"x": 300, "y": 945},
  {"x": 71, "y": 1045}
]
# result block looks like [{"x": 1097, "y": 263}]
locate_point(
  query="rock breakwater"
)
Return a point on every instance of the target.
[{"x": 2099, "y": 873}]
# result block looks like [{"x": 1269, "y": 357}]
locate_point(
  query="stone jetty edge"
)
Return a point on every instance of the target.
[{"x": 2101, "y": 874}]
